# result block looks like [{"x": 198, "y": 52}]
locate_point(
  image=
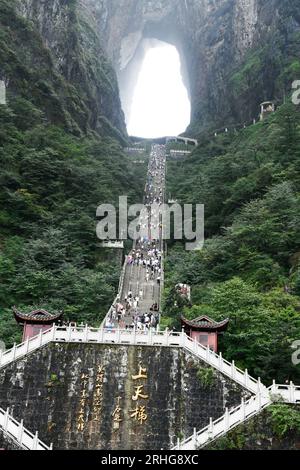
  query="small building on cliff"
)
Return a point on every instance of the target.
[
  {"x": 36, "y": 321},
  {"x": 204, "y": 330}
]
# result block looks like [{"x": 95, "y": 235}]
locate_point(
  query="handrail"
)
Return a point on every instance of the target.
[
  {"x": 119, "y": 294},
  {"x": 16, "y": 431},
  {"x": 119, "y": 336},
  {"x": 262, "y": 397},
  {"x": 239, "y": 414}
]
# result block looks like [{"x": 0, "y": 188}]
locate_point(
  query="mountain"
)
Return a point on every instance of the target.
[
  {"x": 60, "y": 157},
  {"x": 235, "y": 54}
]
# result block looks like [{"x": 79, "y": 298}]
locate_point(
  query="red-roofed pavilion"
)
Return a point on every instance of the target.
[
  {"x": 36, "y": 321},
  {"x": 204, "y": 330}
]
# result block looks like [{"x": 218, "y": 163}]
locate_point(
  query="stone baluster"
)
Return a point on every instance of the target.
[
  {"x": 226, "y": 419},
  {"x": 21, "y": 430},
  {"x": 220, "y": 362},
  {"x": 292, "y": 393}
]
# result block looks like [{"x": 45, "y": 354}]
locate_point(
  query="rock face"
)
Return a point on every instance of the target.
[
  {"x": 7, "y": 443},
  {"x": 82, "y": 396},
  {"x": 213, "y": 39},
  {"x": 78, "y": 57},
  {"x": 234, "y": 53}
]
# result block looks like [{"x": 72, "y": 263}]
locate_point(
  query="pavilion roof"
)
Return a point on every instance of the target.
[
  {"x": 37, "y": 316},
  {"x": 205, "y": 323}
]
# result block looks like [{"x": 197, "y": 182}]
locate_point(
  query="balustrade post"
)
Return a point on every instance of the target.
[
  {"x": 195, "y": 439},
  {"x": 166, "y": 337},
  {"x": 86, "y": 333},
  {"x": 6, "y": 418},
  {"x": 178, "y": 444},
  {"x": 40, "y": 338},
  {"x": 233, "y": 370},
  {"x": 220, "y": 361},
  {"x": 246, "y": 377},
  {"x": 35, "y": 441},
  {"x": 21, "y": 429},
  {"x": 226, "y": 418},
  {"x": 243, "y": 408},
  {"x": 207, "y": 352},
  {"x": 119, "y": 335},
  {"x": 102, "y": 331},
  {"x": 259, "y": 400},
  {"x": 14, "y": 351},
  {"x": 292, "y": 392},
  {"x": 150, "y": 336},
  {"x": 1, "y": 352},
  {"x": 27, "y": 345},
  {"x": 211, "y": 428},
  {"x": 69, "y": 333},
  {"x": 274, "y": 388},
  {"x": 259, "y": 385},
  {"x": 182, "y": 337},
  {"x": 54, "y": 332}
]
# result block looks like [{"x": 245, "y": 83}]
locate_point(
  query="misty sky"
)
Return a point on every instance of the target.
[{"x": 161, "y": 105}]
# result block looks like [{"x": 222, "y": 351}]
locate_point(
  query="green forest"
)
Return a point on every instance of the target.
[
  {"x": 54, "y": 171},
  {"x": 249, "y": 269},
  {"x": 51, "y": 185}
]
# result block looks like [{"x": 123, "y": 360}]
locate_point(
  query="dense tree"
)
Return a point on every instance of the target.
[{"x": 249, "y": 267}]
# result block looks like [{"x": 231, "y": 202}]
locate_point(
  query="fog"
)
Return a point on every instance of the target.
[{"x": 161, "y": 105}]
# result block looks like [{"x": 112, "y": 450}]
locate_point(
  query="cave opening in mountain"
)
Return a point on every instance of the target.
[{"x": 160, "y": 104}]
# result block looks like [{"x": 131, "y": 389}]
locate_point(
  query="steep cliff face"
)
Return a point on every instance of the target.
[
  {"x": 234, "y": 53},
  {"x": 89, "y": 396},
  {"x": 214, "y": 40},
  {"x": 64, "y": 58}
]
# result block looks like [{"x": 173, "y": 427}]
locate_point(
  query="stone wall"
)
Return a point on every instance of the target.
[
  {"x": 276, "y": 428},
  {"x": 69, "y": 393},
  {"x": 6, "y": 443}
]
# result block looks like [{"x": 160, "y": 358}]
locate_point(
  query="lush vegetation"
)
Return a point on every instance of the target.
[
  {"x": 277, "y": 427},
  {"x": 51, "y": 185},
  {"x": 54, "y": 172},
  {"x": 249, "y": 269}
]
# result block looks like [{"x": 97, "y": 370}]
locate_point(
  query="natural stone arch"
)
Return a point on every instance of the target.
[
  {"x": 128, "y": 75},
  {"x": 212, "y": 37}
]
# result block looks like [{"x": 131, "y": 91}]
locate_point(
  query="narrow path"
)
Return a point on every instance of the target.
[{"x": 139, "y": 302}]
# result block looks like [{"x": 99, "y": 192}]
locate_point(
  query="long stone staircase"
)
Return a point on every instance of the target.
[{"x": 133, "y": 279}]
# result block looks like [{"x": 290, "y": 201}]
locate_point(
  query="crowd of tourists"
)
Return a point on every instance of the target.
[{"x": 145, "y": 259}]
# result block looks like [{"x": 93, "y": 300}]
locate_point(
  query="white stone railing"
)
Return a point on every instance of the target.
[
  {"x": 119, "y": 294},
  {"x": 133, "y": 337},
  {"x": 234, "y": 417},
  {"x": 122, "y": 278},
  {"x": 15, "y": 431}
]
